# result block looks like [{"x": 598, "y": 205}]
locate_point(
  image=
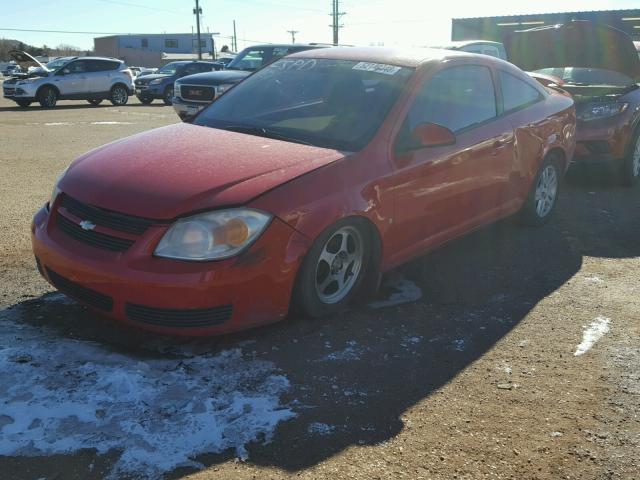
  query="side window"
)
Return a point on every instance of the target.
[
  {"x": 144, "y": 43},
  {"x": 279, "y": 52},
  {"x": 456, "y": 98},
  {"x": 170, "y": 43},
  {"x": 517, "y": 93},
  {"x": 206, "y": 67},
  {"x": 101, "y": 65},
  {"x": 190, "y": 69},
  {"x": 79, "y": 66}
]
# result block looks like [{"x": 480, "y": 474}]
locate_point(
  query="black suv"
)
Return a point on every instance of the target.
[
  {"x": 160, "y": 84},
  {"x": 195, "y": 92}
]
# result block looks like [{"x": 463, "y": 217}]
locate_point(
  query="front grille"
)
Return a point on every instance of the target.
[
  {"x": 192, "y": 318},
  {"x": 96, "y": 239},
  {"x": 83, "y": 294},
  {"x": 196, "y": 93},
  {"x": 9, "y": 91},
  {"x": 106, "y": 218}
]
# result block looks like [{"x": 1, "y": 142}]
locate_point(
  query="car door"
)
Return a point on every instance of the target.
[
  {"x": 100, "y": 75},
  {"x": 73, "y": 78},
  {"x": 446, "y": 190}
]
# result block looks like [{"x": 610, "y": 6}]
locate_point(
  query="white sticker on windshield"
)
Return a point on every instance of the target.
[{"x": 377, "y": 68}]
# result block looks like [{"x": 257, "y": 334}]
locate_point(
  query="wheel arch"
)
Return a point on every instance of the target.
[
  {"x": 119, "y": 83},
  {"x": 50, "y": 85}
]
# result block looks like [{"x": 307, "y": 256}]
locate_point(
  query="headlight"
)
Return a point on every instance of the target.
[
  {"x": 56, "y": 189},
  {"x": 213, "y": 235},
  {"x": 593, "y": 111},
  {"x": 155, "y": 82},
  {"x": 220, "y": 89}
]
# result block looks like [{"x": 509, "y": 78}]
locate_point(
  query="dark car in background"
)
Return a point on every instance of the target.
[
  {"x": 160, "y": 84},
  {"x": 599, "y": 66},
  {"x": 195, "y": 92}
]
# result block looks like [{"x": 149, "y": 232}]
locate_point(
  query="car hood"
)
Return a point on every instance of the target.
[
  {"x": 574, "y": 44},
  {"x": 151, "y": 76},
  {"x": 25, "y": 60},
  {"x": 214, "y": 78},
  {"x": 172, "y": 171}
]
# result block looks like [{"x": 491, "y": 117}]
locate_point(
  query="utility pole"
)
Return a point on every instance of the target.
[
  {"x": 293, "y": 35},
  {"x": 336, "y": 14},
  {"x": 234, "y": 44},
  {"x": 197, "y": 12}
]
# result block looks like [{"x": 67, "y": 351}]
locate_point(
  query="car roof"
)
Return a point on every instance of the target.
[
  {"x": 287, "y": 45},
  {"x": 391, "y": 56}
]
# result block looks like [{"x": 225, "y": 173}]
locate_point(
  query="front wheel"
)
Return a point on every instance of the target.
[
  {"x": 543, "y": 196},
  {"x": 333, "y": 269},
  {"x": 119, "y": 95},
  {"x": 167, "y": 98},
  {"x": 47, "y": 97},
  {"x": 630, "y": 170},
  {"x": 145, "y": 100}
]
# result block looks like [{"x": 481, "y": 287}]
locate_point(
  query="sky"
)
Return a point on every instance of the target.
[{"x": 366, "y": 22}]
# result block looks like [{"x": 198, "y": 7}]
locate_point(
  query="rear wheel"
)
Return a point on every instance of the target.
[
  {"x": 119, "y": 95},
  {"x": 145, "y": 100},
  {"x": 95, "y": 101},
  {"x": 630, "y": 171},
  {"x": 333, "y": 269},
  {"x": 47, "y": 97},
  {"x": 167, "y": 98},
  {"x": 543, "y": 196},
  {"x": 23, "y": 103}
]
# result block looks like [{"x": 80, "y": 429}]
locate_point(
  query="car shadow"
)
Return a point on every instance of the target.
[
  {"x": 79, "y": 107},
  {"x": 357, "y": 373}
]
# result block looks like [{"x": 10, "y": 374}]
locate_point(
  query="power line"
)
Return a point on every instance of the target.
[
  {"x": 137, "y": 5},
  {"x": 65, "y": 31}
]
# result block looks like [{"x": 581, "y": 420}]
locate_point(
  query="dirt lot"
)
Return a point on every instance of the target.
[{"x": 476, "y": 379}]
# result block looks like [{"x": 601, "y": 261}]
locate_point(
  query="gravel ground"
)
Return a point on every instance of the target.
[{"x": 476, "y": 379}]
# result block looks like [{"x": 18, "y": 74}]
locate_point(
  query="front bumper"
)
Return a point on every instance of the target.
[
  {"x": 245, "y": 291},
  {"x": 186, "y": 109},
  {"x": 603, "y": 141},
  {"x": 150, "y": 91}
]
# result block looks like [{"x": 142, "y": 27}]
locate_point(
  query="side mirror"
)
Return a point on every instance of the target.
[
  {"x": 64, "y": 71},
  {"x": 432, "y": 135}
]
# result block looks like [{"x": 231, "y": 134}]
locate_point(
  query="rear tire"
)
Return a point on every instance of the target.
[
  {"x": 167, "y": 97},
  {"x": 95, "y": 101},
  {"x": 119, "y": 95},
  {"x": 23, "y": 103},
  {"x": 334, "y": 268},
  {"x": 145, "y": 100},
  {"x": 47, "y": 97},
  {"x": 543, "y": 197},
  {"x": 630, "y": 169}
]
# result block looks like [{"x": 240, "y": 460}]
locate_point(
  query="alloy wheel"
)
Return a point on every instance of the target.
[
  {"x": 339, "y": 265},
  {"x": 119, "y": 96},
  {"x": 546, "y": 191}
]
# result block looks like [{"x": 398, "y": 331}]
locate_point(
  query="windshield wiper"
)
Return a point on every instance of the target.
[{"x": 264, "y": 132}]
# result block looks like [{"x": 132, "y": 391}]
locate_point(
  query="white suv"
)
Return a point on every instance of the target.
[{"x": 74, "y": 78}]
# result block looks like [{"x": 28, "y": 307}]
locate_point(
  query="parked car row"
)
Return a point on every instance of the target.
[{"x": 307, "y": 180}]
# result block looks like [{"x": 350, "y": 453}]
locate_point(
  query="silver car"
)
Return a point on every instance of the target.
[{"x": 75, "y": 78}]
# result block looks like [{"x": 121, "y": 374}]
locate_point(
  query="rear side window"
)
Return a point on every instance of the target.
[
  {"x": 456, "y": 98},
  {"x": 517, "y": 93},
  {"x": 191, "y": 68},
  {"x": 102, "y": 65},
  {"x": 206, "y": 67}
]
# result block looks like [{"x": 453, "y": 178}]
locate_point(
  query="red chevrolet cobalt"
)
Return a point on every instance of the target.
[{"x": 301, "y": 185}]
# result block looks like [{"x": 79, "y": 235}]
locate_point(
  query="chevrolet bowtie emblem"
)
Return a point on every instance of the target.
[{"x": 87, "y": 225}]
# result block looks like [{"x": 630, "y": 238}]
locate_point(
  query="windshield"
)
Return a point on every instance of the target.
[
  {"x": 169, "y": 68},
  {"x": 327, "y": 103},
  {"x": 57, "y": 63},
  {"x": 250, "y": 59},
  {"x": 588, "y": 76}
]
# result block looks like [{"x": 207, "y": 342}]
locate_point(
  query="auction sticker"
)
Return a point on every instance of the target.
[{"x": 377, "y": 68}]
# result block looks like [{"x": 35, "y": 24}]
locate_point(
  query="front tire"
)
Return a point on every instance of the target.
[
  {"x": 145, "y": 100},
  {"x": 630, "y": 170},
  {"x": 47, "y": 97},
  {"x": 23, "y": 103},
  {"x": 543, "y": 197},
  {"x": 167, "y": 98},
  {"x": 333, "y": 269},
  {"x": 119, "y": 95}
]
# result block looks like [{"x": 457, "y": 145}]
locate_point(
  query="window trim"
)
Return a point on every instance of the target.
[
  {"x": 539, "y": 99},
  {"x": 172, "y": 40}
]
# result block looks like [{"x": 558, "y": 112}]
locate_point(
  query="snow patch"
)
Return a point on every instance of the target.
[
  {"x": 592, "y": 334},
  {"x": 60, "y": 395},
  {"x": 353, "y": 351},
  {"x": 317, "y": 428},
  {"x": 594, "y": 279},
  {"x": 405, "y": 291},
  {"x": 111, "y": 123}
]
